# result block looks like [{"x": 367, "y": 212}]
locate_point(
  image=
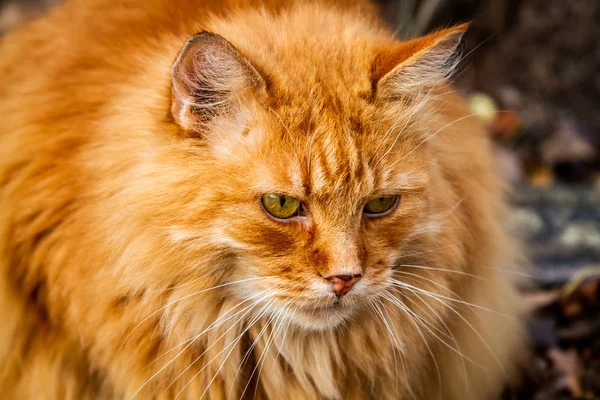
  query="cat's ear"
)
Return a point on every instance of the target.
[
  {"x": 418, "y": 64},
  {"x": 211, "y": 78}
]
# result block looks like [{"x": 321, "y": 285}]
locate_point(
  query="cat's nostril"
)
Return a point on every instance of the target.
[{"x": 341, "y": 284}]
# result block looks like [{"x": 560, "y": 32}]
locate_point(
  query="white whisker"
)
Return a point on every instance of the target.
[
  {"x": 232, "y": 345},
  {"x": 395, "y": 343},
  {"x": 268, "y": 346},
  {"x": 218, "y": 322},
  {"x": 414, "y": 318},
  {"x": 191, "y": 342},
  {"x": 184, "y": 298},
  {"x": 437, "y": 298},
  {"x": 438, "y": 269}
]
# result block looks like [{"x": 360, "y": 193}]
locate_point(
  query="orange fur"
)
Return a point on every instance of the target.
[{"x": 136, "y": 260}]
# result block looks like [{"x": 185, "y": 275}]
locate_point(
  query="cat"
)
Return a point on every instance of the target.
[{"x": 246, "y": 199}]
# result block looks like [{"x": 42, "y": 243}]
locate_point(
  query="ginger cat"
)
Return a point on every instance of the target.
[{"x": 245, "y": 199}]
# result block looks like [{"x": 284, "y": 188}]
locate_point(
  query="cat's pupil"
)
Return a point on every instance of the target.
[{"x": 281, "y": 201}]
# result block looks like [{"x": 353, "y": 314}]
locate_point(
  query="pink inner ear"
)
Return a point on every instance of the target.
[{"x": 391, "y": 57}]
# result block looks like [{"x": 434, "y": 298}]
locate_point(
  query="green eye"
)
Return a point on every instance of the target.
[
  {"x": 280, "y": 206},
  {"x": 381, "y": 205}
]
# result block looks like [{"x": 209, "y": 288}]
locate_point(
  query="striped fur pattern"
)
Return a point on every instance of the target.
[{"x": 137, "y": 263}]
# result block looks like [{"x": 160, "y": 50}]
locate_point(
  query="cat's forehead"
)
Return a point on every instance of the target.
[
  {"x": 322, "y": 87},
  {"x": 352, "y": 164},
  {"x": 333, "y": 157}
]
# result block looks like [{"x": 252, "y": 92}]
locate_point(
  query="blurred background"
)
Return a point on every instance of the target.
[{"x": 531, "y": 72}]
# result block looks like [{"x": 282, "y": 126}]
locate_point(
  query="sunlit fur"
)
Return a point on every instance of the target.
[{"x": 137, "y": 261}]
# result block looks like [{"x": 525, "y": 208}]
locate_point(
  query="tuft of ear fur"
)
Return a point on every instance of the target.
[
  {"x": 420, "y": 63},
  {"x": 211, "y": 78}
]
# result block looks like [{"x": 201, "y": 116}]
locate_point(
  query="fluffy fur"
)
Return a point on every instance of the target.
[{"x": 137, "y": 262}]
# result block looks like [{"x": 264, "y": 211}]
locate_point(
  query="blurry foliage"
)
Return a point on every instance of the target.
[{"x": 564, "y": 359}]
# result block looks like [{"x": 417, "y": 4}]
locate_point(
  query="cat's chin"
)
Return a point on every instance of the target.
[{"x": 322, "y": 318}]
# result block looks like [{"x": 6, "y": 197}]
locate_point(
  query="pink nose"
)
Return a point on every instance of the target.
[{"x": 342, "y": 284}]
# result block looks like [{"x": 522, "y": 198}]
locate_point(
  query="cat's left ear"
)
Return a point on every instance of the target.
[
  {"x": 211, "y": 78},
  {"x": 418, "y": 64}
]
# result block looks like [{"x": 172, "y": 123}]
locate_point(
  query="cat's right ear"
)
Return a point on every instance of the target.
[{"x": 211, "y": 78}]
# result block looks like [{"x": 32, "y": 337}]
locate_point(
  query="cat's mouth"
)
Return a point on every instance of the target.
[
  {"x": 318, "y": 314},
  {"x": 336, "y": 305},
  {"x": 323, "y": 316}
]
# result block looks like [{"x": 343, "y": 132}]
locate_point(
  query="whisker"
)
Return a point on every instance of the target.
[
  {"x": 517, "y": 273},
  {"x": 435, "y": 297},
  {"x": 191, "y": 342},
  {"x": 445, "y": 325},
  {"x": 270, "y": 319},
  {"x": 414, "y": 319},
  {"x": 418, "y": 253},
  {"x": 268, "y": 346},
  {"x": 255, "y": 342},
  {"x": 395, "y": 344},
  {"x": 289, "y": 322},
  {"x": 404, "y": 284},
  {"x": 431, "y": 281},
  {"x": 437, "y": 269},
  {"x": 424, "y": 323},
  {"x": 462, "y": 272},
  {"x": 433, "y": 326},
  {"x": 232, "y": 345},
  {"x": 217, "y": 322},
  {"x": 186, "y": 297},
  {"x": 452, "y": 209},
  {"x": 450, "y": 335}
]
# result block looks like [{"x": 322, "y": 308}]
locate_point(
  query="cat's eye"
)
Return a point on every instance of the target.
[
  {"x": 381, "y": 205},
  {"x": 281, "y": 206}
]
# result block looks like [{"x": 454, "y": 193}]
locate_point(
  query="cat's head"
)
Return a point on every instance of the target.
[{"x": 316, "y": 172}]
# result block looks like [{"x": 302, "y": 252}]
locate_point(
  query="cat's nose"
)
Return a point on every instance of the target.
[{"x": 341, "y": 284}]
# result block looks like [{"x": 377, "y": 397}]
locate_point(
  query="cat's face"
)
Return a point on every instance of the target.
[
  {"x": 314, "y": 199},
  {"x": 319, "y": 206}
]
